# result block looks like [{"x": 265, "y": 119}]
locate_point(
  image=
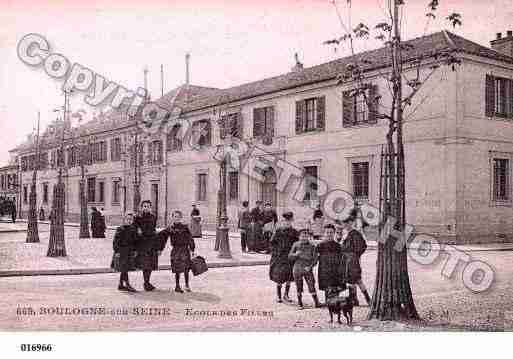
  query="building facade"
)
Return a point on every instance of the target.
[{"x": 458, "y": 135}]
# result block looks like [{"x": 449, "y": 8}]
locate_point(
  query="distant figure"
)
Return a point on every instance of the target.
[
  {"x": 270, "y": 218},
  {"x": 317, "y": 224},
  {"x": 41, "y": 213},
  {"x": 13, "y": 212},
  {"x": 97, "y": 223},
  {"x": 244, "y": 223},
  {"x": 195, "y": 222},
  {"x": 257, "y": 223}
]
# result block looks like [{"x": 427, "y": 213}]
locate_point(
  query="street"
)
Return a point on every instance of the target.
[{"x": 241, "y": 298}]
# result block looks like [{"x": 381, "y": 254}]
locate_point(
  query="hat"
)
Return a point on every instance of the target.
[{"x": 288, "y": 215}]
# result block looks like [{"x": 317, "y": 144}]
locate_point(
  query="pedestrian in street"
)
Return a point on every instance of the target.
[
  {"x": 305, "y": 256},
  {"x": 244, "y": 224},
  {"x": 330, "y": 255},
  {"x": 96, "y": 223},
  {"x": 280, "y": 270},
  {"x": 13, "y": 211},
  {"x": 257, "y": 222},
  {"x": 41, "y": 213},
  {"x": 103, "y": 224},
  {"x": 195, "y": 222},
  {"x": 353, "y": 246},
  {"x": 124, "y": 244},
  {"x": 148, "y": 245},
  {"x": 181, "y": 240},
  {"x": 269, "y": 219}
]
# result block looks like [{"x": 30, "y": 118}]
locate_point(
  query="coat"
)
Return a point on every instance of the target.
[
  {"x": 183, "y": 244},
  {"x": 330, "y": 256},
  {"x": 280, "y": 270},
  {"x": 195, "y": 223},
  {"x": 97, "y": 225},
  {"x": 352, "y": 247},
  {"x": 148, "y": 244},
  {"x": 124, "y": 243}
]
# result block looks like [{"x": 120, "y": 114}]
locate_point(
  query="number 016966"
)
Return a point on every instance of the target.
[{"x": 36, "y": 347}]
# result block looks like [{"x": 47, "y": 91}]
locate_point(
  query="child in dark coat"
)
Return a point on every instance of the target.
[
  {"x": 182, "y": 242},
  {"x": 147, "y": 244},
  {"x": 124, "y": 243}
]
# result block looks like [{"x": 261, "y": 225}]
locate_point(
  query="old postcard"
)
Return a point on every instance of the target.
[{"x": 298, "y": 166}]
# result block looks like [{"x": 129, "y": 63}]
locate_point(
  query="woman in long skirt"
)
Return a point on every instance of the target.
[
  {"x": 183, "y": 249},
  {"x": 330, "y": 255},
  {"x": 125, "y": 240},
  {"x": 280, "y": 270}
]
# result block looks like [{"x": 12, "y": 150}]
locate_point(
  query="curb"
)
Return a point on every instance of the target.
[
  {"x": 12, "y": 230},
  {"x": 28, "y": 273}
]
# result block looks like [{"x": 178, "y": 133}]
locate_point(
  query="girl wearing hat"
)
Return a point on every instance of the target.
[
  {"x": 280, "y": 270},
  {"x": 353, "y": 246}
]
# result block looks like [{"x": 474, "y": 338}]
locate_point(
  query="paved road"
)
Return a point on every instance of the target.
[{"x": 441, "y": 301}]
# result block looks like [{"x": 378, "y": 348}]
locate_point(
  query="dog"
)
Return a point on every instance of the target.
[{"x": 339, "y": 302}]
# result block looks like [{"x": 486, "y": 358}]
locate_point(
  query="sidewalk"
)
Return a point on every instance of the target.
[{"x": 93, "y": 255}]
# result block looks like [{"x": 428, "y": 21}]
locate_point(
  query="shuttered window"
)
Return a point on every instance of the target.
[
  {"x": 501, "y": 185},
  {"x": 115, "y": 149},
  {"x": 201, "y": 187},
  {"x": 310, "y": 115},
  {"x": 233, "y": 185},
  {"x": 498, "y": 97},
  {"x": 359, "y": 107},
  {"x": 263, "y": 121},
  {"x": 231, "y": 124},
  {"x": 155, "y": 152}
]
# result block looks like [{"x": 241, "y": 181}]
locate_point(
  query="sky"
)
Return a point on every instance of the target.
[{"x": 230, "y": 42}]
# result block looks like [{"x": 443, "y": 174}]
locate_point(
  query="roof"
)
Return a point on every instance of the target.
[{"x": 190, "y": 97}]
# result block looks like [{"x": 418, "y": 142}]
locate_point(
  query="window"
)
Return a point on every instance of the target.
[
  {"x": 499, "y": 97},
  {"x": 101, "y": 192},
  {"x": 72, "y": 156},
  {"x": 311, "y": 185},
  {"x": 233, "y": 186},
  {"x": 501, "y": 180},
  {"x": 155, "y": 152},
  {"x": 91, "y": 189},
  {"x": 140, "y": 154},
  {"x": 174, "y": 141},
  {"x": 115, "y": 192},
  {"x": 43, "y": 160},
  {"x": 231, "y": 124},
  {"x": 45, "y": 192},
  {"x": 3, "y": 182},
  {"x": 25, "y": 194},
  {"x": 202, "y": 133},
  {"x": 310, "y": 115},
  {"x": 263, "y": 121},
  {"x": 358, "y": 106},
  {"x": 360, "y": 179},
  {"x": 115, "y": 149},
  {"x": 201, "y": 194}
]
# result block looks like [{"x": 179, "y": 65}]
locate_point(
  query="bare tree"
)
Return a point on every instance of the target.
[
  {"x": 32, "y": 231},
  {"x": 392, "y": 298}
]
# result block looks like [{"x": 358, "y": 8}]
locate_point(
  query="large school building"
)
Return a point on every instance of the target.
[{"x": 458, "y": 141}]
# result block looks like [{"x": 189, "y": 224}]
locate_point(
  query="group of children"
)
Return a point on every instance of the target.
[
  {"x": 295, "y": 254},
  {"x": 137, "y": 245}
]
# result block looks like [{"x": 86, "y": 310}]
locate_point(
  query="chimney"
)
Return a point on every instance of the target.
[
  {"x": 298, "y": 67},
  {"x": 187, "y": 60},
  {"x": 504, "y": 45}
]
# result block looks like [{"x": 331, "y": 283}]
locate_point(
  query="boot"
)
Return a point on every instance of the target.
[
  {"x": 286, "y": 296},
  {"x": 316, "y": 301},
  {"x": 178, "y": 289},
  {"x": 353, "y": 296},
  {"x": 278, "y": 291},
  {"x": 122, "y": 287},
  {"x": 130, "y": 288},
  {"x": 300, "y": 301},
  {"x": 148, "y": 287},
  {"x": 367, "y": 297}
]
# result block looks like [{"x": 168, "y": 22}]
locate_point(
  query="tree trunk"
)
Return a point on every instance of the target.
[
  {"x": 32, "y": 231},
  {"x": 57, "y": 245},
  {"x": 84, "y": 219}
]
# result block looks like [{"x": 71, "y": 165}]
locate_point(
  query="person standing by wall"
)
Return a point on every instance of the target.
[
  {"x": 269, "y": 220},
  {"x": 280, "y": 270},
  {"x": 125, "y": 240},
  {"x": 244, "y": 223},
  {"x": 181, "y": 240},
  {"x": 148, "y": 245},
  {"x": 257, "y": 222},
  {"x": 353, "y": 246},
  {"x": 195, "y": 222}
]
